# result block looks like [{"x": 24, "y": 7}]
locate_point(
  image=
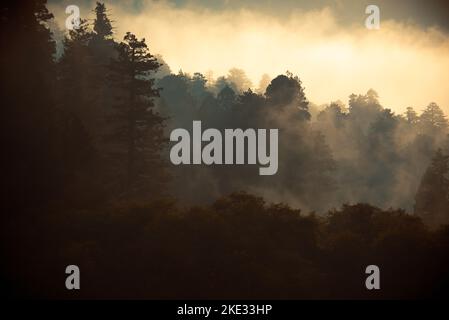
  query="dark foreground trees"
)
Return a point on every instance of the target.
[
  {"x": 238, "y": 247},
  {"x": 432, "y": 198},
  {"x": 43, "y": 146},
  {"x": 138, "y": 129}
]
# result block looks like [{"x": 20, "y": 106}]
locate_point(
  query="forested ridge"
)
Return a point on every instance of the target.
[{"x": 87, "y": 179}]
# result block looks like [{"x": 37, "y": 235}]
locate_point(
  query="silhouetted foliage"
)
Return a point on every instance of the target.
[
  {"x": 411, "y": 116},
  {"x": 102, "y": 24},
  {"x": 237, "y": 247},
  {"x": 433, "y": 119},
  {"x": 432, "y": 198},
  {"x": 139, "y": 129},
  {"x": 45, "y": 146}
]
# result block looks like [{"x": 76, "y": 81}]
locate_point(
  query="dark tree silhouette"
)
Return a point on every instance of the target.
[
  {"x": 226, "y": 98},
  {"x": 432, "y": 198},
  {"x": 38, "y": 136},
  {"x": 102, "y": 48},
  {"x": 76, "y": 77},
  {"x": 411, "y": 116},
  {"x": 433, "y": 118},
  {"x": 139, "y": 128},
  {"x": 287, "y": 89},
  {"x": 102, "y": 41},
  {"x": 102, "y": 24},
  {"x": 83, "y": 90}
]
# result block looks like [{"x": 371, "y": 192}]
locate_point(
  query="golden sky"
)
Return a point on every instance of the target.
[{"x": 406, "y": 63}]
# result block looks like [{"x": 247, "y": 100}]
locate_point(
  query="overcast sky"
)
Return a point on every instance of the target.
[{"x": 325, "y": 42}]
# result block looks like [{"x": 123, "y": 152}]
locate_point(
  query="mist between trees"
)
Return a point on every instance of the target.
[{"x": 87, "y": 132}]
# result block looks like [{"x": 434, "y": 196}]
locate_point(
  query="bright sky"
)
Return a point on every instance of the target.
[{"x": 405, "y": 62}]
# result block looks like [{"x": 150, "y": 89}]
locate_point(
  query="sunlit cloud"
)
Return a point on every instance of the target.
[{"x": 406, "y": 64}]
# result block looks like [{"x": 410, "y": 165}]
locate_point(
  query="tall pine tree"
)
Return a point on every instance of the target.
[
  {"x": 432, "y": 198},
  {"x": 434, "y": 118},
  {"x": 103, "y": 50},
  {"x": 138, "y": 135},
  {"x": 76, "y": 75},
  {"x": 38, "y": 136}
]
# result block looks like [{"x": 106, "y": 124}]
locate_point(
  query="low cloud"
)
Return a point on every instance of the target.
[{"x": 405, "y": 63}]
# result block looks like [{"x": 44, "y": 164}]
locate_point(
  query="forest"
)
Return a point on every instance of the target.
[{"x": 88, "y": 179}]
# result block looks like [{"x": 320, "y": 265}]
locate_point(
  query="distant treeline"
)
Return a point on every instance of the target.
[{"x": 328, "y": 156}]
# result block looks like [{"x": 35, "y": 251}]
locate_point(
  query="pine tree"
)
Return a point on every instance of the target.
[
  {"x": 411, "y": 116},
  {"x": 434, "y": 117},
  {"x": 102, "y": 43},
  {"x": 20, "y": 23},
  {"x": 286, "y": 90},
  {"x": 76, "y": 75},
  {"x": 102, "y": 24},
  {"x": 139, "y": 131},
  {"x": 320, "y": 172},
  {"x": 39, "y": 136},
  {"x": 103, "y": 50},
  {"x": 198, "y": 88},
  {"x": 27, "y": 78},
  {"x": 226, "y": 98},
  {"x": 432, "y": 198}
]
